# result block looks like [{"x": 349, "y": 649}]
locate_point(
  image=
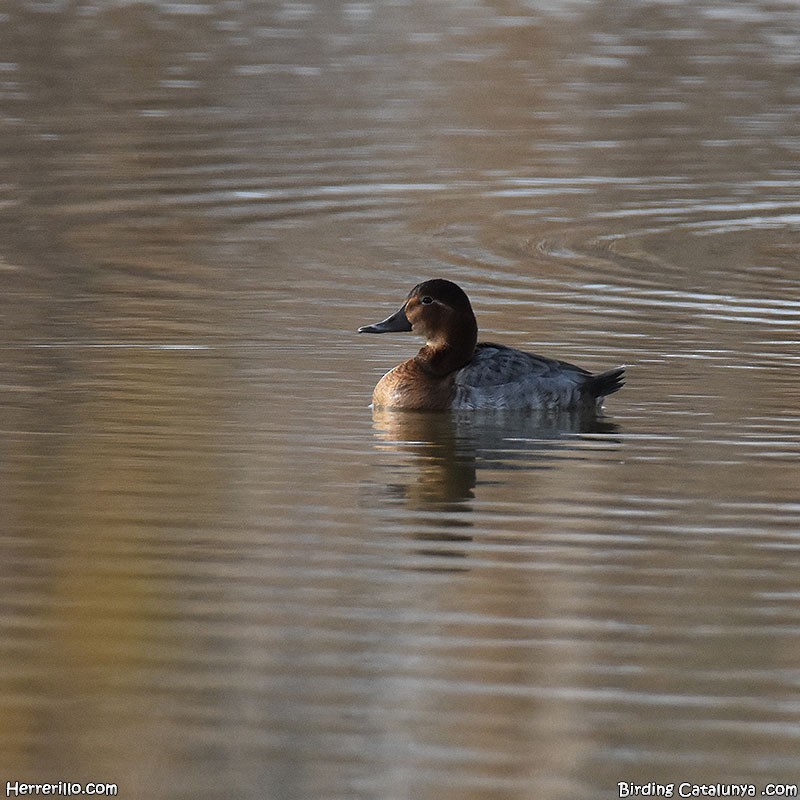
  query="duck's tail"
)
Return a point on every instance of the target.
[{"x": 605, "y": 383}]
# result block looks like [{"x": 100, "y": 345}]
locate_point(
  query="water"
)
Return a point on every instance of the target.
[{"x": 222, "y": 577}]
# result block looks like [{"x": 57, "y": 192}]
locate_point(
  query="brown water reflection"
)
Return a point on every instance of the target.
[
  {"x": 222, "y": 577},
  {"x": 448, "y": 449}
]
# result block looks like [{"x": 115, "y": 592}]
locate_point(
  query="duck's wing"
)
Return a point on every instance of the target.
[
  {"x": 504, "y": 377},
  {"x": 497, "y": 365}
]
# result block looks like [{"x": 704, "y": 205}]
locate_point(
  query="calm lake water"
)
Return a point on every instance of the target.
[{"x": 221, "y": 576}]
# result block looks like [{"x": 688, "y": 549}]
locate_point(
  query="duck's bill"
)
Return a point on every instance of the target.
[{"x": 395, "y": 324}]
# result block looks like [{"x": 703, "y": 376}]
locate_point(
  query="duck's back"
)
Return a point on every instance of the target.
[{"x": 504, "y": 377}]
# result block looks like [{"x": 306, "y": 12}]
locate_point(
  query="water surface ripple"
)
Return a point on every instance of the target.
[{"x": 224, "y": 576}]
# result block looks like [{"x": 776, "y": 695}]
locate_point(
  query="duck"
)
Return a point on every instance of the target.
[{"x": 453, "y": 371}]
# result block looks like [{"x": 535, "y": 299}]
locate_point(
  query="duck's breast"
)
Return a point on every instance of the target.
[{"x": 407, "y": 386}]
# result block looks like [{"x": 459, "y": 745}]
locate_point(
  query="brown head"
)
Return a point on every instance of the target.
[{"x": 440, "y": 311}]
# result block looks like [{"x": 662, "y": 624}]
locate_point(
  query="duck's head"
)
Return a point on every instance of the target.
[{"x": 437, "y": 309}]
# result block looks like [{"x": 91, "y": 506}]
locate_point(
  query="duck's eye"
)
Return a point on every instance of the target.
[{"x": 427, "y": 300}]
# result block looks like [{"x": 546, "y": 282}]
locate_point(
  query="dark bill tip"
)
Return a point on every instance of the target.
[{"x": 397, "y": 323}]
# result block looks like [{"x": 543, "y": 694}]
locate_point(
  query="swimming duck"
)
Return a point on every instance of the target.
[{"x": 453, "y": 371}]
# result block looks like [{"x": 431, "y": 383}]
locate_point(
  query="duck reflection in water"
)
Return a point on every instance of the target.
[
  {"x": 448, "y": 449},
  {"x": 438, "y": 459},
  {"x": 431, "y": 471}
]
